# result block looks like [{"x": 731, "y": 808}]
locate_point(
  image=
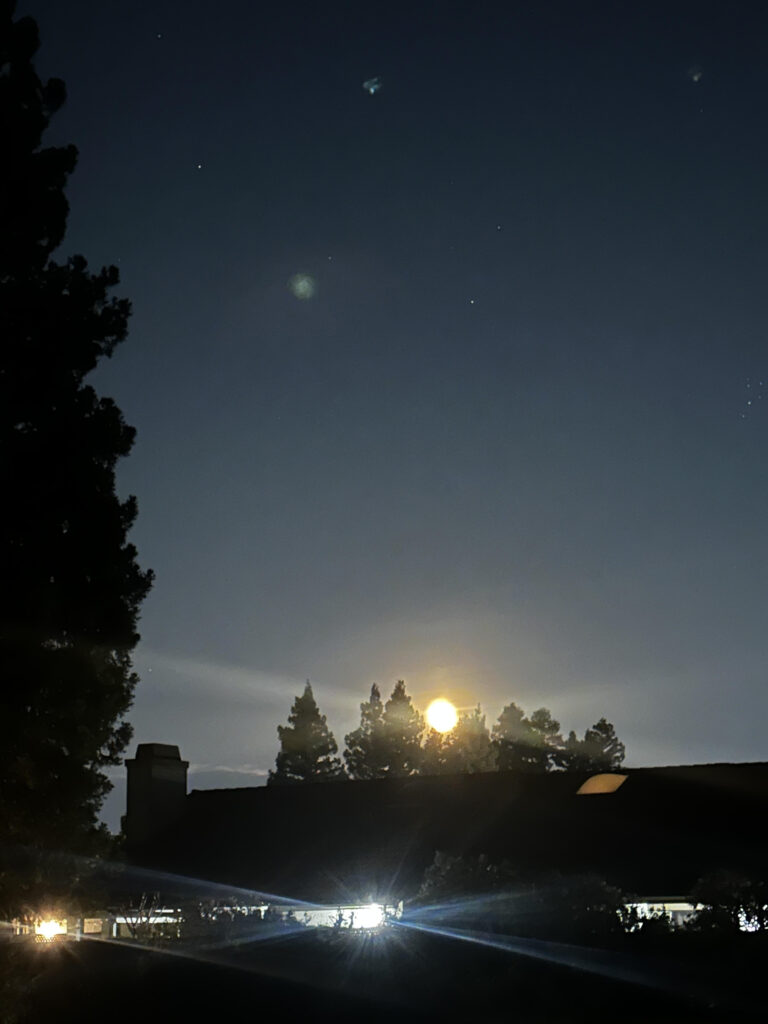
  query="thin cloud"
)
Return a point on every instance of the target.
[
  {"x": 239, "y": 769},
  {"x": 172, "y": 671}
]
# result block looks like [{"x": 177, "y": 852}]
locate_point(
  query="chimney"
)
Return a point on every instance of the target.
[{"x": 157, "y": 791}]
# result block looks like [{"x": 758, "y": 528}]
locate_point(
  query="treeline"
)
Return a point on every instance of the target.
[
  {"x": 475, "y": 892},
  {"x": 394, "y": 740}
]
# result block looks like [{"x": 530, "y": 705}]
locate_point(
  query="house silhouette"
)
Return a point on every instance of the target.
[{"x": 646, "y": 830}]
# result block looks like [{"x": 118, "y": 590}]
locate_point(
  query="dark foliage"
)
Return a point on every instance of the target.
[
  {"x": 727, "y": 902},
  {"x": 71, "y": 585},
  {"x": 307, "y": 747},
  {"x": 452, "y": 877},
  {"x": 388, "y": 739},
  {"x": 475, "y": 892},
  {"x": 402, "y": 728},
  {"x": 365, "y": 754},
  {"x": 526, "y": 744},
  {"x": 392, "y": 740},
  {"x": 534, "y": 744},
  {"x": 599, "y": 751},
  {"x": 466, "y": 749}
]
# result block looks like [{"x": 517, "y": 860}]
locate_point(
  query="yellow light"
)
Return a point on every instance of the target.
[
  {"x": 607, "y": 782},
  {"x": 48, "y": 930},
  {"x": 441, "y": 715}
]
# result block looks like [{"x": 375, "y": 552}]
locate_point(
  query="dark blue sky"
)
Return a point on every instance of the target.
[{"x": 505, "y": 451}]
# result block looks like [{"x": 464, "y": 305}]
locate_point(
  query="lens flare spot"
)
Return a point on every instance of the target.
[{"x": 303, "y": 286}]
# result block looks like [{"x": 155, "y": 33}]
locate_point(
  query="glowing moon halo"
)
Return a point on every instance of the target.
[
  {"x": 303, "y": 286},
  {"x": 441, "y": 715}
]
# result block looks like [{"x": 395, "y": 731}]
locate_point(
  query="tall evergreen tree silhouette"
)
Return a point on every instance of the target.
[
  {"x": 434, "y": 753},
  {"x": 467, "y": 748},
  {"x": 402, "y": 727},
  {"x": 599, "y": 751},
  {"x": 526, "y": 744},
  {"x": 365, "y": 753},
  {"x": 71, "y": 586},
  {"x": 307, "y": 747}
]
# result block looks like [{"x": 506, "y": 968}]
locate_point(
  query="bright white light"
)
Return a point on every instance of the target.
[
  {"x": 441, "y": 715},
  {"x": 49, "y": 929},
  {"x": 371, "y": 916}
]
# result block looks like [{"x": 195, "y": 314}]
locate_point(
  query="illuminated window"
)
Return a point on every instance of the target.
[{"x": 601, "y": 784}]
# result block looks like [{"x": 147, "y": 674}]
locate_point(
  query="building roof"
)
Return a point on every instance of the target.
[{"x": 659, "y": 831}]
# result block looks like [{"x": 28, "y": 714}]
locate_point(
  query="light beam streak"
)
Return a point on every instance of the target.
[{"x": 582, "y": 958}]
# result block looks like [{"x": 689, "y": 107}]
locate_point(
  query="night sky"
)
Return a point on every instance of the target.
[{"x": 512, "y": 446}]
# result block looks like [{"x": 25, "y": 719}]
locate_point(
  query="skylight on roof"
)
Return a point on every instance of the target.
[{"x": 604, "y": 783}]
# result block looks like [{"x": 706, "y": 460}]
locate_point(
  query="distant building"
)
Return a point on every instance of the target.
[{"x": 648, "y": 830}]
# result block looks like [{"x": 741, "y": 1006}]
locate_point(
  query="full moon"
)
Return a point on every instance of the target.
[{"x": 441, "y": 715}]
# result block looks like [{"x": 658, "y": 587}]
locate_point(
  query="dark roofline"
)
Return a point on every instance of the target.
[{"x": 526, "y": 780}]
